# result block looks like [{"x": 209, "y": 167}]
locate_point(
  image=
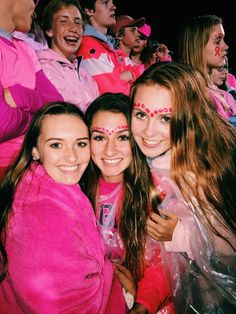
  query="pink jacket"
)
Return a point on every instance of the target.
[
  {"x": 22, "y": 76},
  {"x": 100, "y": 61},
  {"x": 56, "y": 256},
  {"x": 70, "y": 79}
]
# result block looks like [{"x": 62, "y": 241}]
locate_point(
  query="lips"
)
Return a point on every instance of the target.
[{"x": 112, "y": 161}]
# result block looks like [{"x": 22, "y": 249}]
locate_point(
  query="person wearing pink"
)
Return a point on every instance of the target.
[
  {"x": 127, "y": 36},
  {"x": 118, "y": 182},
  {"x": 97, "y": 48},
  {"x": 52, "y": 257},
  {"x": 23, "y": 86},
  {"x": 63, "y": 25}
]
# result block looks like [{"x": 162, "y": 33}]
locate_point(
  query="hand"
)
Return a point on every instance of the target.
[
  {"x": 8, "y": 98},
  {"x": 125, "y": 278},
  {"x": 139, "y": 309},
  {"x": 127, "y": 76},
  {"x": 159, "y": 228}
]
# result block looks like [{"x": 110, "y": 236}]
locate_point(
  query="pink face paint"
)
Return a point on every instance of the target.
[
  {"x": 217, "y": 51},
  {"x": 111, "y": 131},
  {"x": 154, "y": 113}
]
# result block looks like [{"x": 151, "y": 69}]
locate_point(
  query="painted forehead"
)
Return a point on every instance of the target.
[
  {"x": 110, "y": 131},
  {"x": 152, "y": 113}
]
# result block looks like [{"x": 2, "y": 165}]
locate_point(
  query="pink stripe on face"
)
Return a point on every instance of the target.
[
  {"x": 154, "y": 113},
  {"x": 111, "y": 131}
]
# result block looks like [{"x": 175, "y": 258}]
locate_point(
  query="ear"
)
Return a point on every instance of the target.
[
  {"x": 89, "y": 12},
  {"x": 35, "y": 154},
  {"x": 49, "y": 33}
]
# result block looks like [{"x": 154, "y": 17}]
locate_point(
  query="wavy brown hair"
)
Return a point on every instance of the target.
[
  {"x": 140, "y": 194},
  {"x": 203, "y": 161}
]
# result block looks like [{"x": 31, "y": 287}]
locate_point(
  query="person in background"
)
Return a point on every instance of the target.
[
  {"x": 172, "y": 115},
  {"x": 63, "y": 24},
  {"x": 149, "y": 51},
  {"x": 127, "y": 36},
  {"x": 52, "y": 257},
  {"x": 23, "y": 86},
  {"x": 142, "y": 54},
  {"x": 202, "y": 45},
  {"x": 119, "y": 184},
  {"x": 97, "y": 48},
  {"x": 220, "y": 79}
]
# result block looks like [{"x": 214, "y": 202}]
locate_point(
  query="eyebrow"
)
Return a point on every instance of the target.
[{"x": 61, "y": 139}]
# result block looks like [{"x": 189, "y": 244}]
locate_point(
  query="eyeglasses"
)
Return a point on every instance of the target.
[{"x": 223, "y": 68}]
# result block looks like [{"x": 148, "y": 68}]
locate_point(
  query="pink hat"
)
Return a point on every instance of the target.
[
  {"x": 145, "y": 29},
  {"x": 126, "y": 21}
]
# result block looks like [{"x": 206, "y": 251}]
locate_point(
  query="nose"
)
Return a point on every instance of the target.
[
  {"x": 151, "y": 128},
  {"x": 71, "y": 155},
  {"x": 110, "y": 148},
  {"x": 113, "y": 7}
]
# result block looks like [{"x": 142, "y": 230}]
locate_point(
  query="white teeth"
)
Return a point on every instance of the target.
[
  {"x": 69, "y": 168},
  {"x": 149, "y": 142},
  {"x": 112, "y": 161}
]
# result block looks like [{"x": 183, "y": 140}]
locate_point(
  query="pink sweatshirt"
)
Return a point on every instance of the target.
[
  {"x": 56, "y": 256},
  {"x": 21, "y": 74}
]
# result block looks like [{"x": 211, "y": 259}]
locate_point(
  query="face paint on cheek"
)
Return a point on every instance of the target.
[
  {"x": 111, "y": 131},
  {"x": 217, "y": 51},
  {"x": 154, "y": 113}
]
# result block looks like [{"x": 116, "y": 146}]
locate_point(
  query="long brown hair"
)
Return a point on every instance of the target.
[
  {"x": 203, "y": 160},
  {"x": 139, "y": 190}
]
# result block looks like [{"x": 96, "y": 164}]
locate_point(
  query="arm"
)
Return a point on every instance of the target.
[
  {"x": 14, "y": 121},
  {"x": 33, "y": 99}
]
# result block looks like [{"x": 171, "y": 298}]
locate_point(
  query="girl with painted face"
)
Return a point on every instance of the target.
[
  {"x": 119, "y": 185},
  {"x": 52, "y": 257},
  {"x": 191, "y": 149},
  {"x": 202, "y": 45}
]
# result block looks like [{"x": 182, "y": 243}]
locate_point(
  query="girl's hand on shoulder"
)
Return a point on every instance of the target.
[{"x": 161, "y": 227}]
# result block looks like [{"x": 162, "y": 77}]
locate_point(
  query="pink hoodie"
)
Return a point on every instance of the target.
[{"x": 56, "y": 256}]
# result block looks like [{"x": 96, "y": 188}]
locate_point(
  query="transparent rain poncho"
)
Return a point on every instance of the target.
[{"x": 201, "y": 266}]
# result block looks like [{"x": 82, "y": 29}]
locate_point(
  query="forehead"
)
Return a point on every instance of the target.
[
  {"x": 108, "y": 119},
  {"x": 53, "y": 125},
  {"x": 68, "y": 10},
  {"x": 153, "y": 96}
]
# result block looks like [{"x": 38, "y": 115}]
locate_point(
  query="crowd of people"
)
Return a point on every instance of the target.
[{"x": 117, "y": 163}]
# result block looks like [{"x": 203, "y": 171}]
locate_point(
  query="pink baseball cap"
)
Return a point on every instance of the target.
[
  {"x": 145, "y": 29},
  {"x": 126, "y": 21}
]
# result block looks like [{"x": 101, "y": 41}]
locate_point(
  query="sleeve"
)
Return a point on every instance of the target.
[
  {"x": 33, "y": 99},
  {"x": 102, "y": 66},
  {"x": 14, "y": 121},
  {"x": 153, "y": 289},
  {"x": 53, "y": 268}
]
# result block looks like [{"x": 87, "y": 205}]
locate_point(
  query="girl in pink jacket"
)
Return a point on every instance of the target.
[{"x": 52, "y": 257}]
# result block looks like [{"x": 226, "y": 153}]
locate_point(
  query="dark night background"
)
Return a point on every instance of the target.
[{"x": 167, "y": 19}]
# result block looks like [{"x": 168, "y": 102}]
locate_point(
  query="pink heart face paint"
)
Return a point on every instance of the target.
[
  {"x": 151, "y": 119},
  {"x": 110, "y": 144},
  {"x": 111, "y": 131},
  {"x": 163, "y": 110}
]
